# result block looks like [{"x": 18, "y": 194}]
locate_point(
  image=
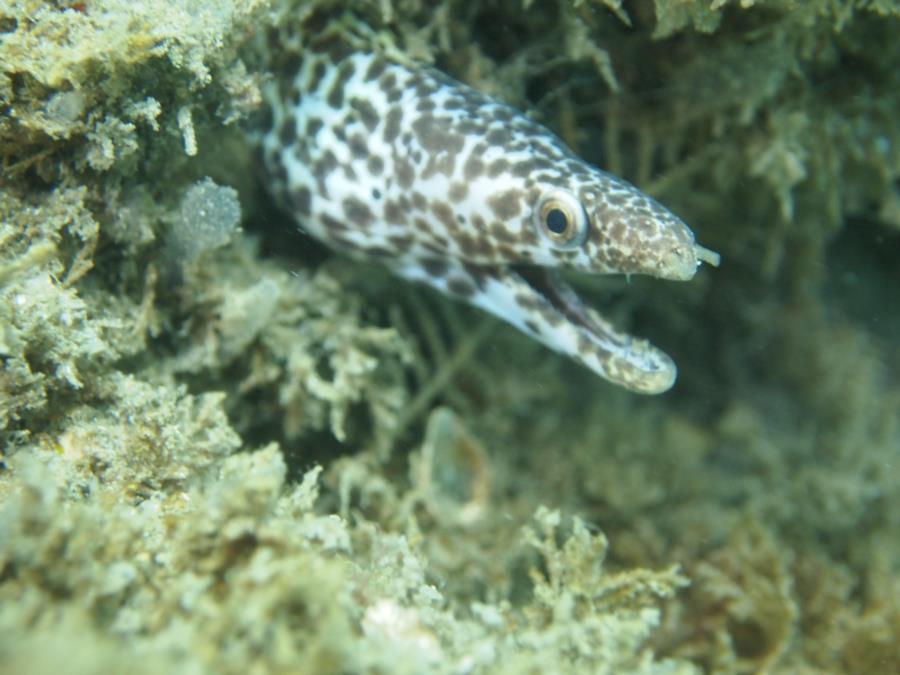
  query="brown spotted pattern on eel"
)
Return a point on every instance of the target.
[{"x": 448, "y": 187}]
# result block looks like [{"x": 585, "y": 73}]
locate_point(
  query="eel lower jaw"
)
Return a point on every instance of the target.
[
  {"x": 614, "y": 355},
  {"x": 537, "y": 302}
]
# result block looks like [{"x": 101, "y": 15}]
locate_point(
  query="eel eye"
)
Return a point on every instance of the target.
[{"x": 561, "y": 218}]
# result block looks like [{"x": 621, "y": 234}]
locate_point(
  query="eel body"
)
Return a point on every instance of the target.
[{"x": 403, "y": 165}]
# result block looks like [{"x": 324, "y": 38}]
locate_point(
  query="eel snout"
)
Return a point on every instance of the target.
[{"x": 679, "y": 262}]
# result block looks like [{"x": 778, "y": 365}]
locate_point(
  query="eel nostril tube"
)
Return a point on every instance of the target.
[{"x": 707, "y": 256}]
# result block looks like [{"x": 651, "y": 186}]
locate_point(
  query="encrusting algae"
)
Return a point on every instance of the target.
[{"x": 226, "y": 450}]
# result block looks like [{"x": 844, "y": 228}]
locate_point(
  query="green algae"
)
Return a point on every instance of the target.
[{"x": 163, "y": 413}]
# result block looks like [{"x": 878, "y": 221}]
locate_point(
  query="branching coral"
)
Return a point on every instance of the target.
[{"x": 242, "y": 560}]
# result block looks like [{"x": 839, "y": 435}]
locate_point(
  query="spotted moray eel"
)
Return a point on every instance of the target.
[{"x": 399, "y": 163}]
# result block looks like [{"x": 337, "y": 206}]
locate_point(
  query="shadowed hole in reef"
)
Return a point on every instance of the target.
[
  {"x": 311, "y": 447},
  {"x": 314, "y": 448},
  {"x": 748, "y": 638},
  {"x": 500, "y": 31},
  {"x": 863, "y": 277},
  {"x": 282, "y": 238}
]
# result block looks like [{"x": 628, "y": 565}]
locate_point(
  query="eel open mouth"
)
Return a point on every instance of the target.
[
  {"x": 548, "y": 283},
  {"x": 537, "y": 302},
  {"x": 562, "y": 321}
]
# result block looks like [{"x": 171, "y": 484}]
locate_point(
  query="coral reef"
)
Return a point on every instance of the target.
[{"x": 224, "y": 450}]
